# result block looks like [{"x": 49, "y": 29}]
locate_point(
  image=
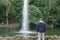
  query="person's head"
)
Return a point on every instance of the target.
[{"x": 41, "y": 19}]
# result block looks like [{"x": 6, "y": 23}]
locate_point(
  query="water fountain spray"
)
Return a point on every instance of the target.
[
  {"x": 25, "y": 18},
  {"x": 25, "y": 23}
]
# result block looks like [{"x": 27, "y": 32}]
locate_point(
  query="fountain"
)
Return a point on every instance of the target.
[{"x": 25, "y": 21}]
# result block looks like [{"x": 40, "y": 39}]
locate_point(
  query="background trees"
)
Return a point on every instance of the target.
[{"x": 11, "y": 11}]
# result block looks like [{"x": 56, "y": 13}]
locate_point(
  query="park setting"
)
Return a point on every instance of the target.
[{"x": 29, "y": 19}]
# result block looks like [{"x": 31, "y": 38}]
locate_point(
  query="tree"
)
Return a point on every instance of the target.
[{"x": 34, "y": 14}]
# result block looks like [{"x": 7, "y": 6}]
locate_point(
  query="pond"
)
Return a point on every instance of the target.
[{"x": 7, "y": 31}]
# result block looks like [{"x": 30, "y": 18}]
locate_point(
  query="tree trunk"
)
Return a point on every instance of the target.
[{"x": 7, "y": 11}]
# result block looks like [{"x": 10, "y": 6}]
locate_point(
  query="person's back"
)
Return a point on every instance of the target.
[{"x": 41, "y": 27}]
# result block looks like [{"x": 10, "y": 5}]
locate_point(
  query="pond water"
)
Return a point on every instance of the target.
[{"x": 6, "y": 31}]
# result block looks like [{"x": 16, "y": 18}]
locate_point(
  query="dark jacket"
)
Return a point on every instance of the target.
[{"x": 41, "y": 27}]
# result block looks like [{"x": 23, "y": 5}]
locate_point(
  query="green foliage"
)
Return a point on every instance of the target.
[
  {"x": 14, "y": 14},
  {"x": 37, "y": 9},
  {"x": 16, "y": 10},
  {"x": 35, "y": 14}
]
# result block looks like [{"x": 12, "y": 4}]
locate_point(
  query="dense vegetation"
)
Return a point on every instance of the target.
[{"x": 11, "y": 11}]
